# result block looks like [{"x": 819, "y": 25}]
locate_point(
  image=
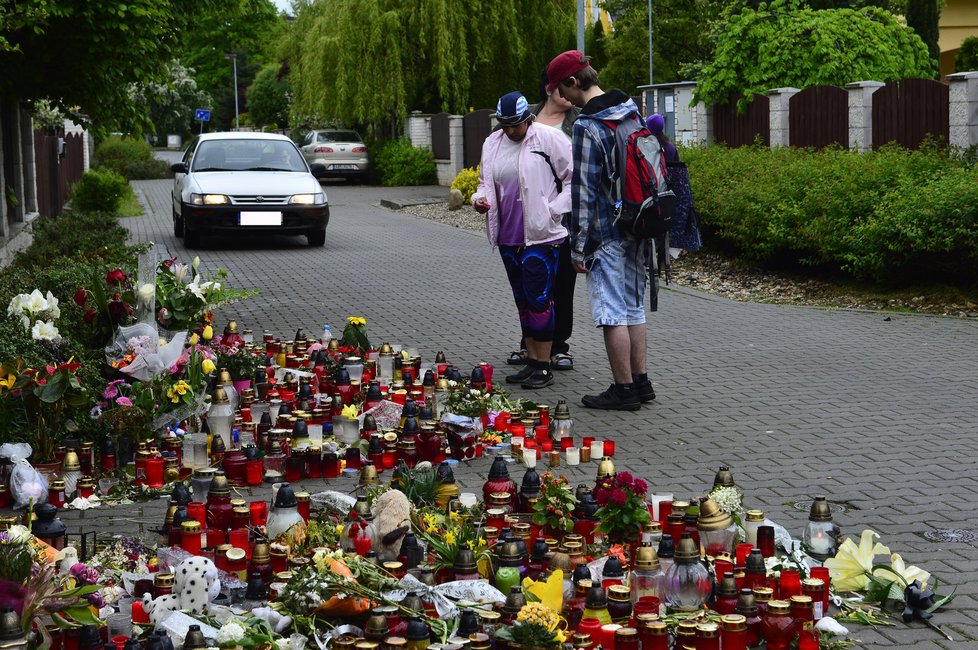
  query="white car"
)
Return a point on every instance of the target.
[
  {"x": 341, "y": 151},
  {"x": 247, "y": 182}
]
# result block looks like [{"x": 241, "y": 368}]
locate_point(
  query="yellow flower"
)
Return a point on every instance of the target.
[
  {"x": 8, "y": 381},
  {"x": 550, "y": 591},
  {"x": 908, "y": 573},
  {"x": 181, "y": 387},
  {"x": 356, "y": 320},
  {"x": 450, "y": 537},
  {"x": 194, "y": 339},
  {"x": 454, "y": 517},
  {"x": 851, "y": 566},
  {"x": 173, "y": 396},
  {"x": 207, "y": 366},
  {"x": 208, "y": 333},
  {"x": 350, "y": 411},
  {"x": 339, "y": 529}
]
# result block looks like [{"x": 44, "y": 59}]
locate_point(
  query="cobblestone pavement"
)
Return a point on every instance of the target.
[{"x": 876, "y": 411}]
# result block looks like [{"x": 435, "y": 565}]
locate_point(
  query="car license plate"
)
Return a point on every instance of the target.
[
  {"x": 261, "y": 219},
  {"x": 344, "y": 166}
]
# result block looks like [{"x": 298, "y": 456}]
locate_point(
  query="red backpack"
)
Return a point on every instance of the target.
[{"x": 644, "y": 201}]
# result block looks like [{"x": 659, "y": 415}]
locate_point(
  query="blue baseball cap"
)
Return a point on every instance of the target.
[{"x": 512, "y": 109}]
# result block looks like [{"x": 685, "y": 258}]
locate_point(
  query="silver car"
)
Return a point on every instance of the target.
[
  {"x": 247, "y": 182},
  {"x": 341, "y": 151}
]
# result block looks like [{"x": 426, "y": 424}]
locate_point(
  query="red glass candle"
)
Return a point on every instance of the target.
[
  {"x": 790, "y": 584},
  {"x": 822, "y": 573},
  {"x": 566, "y": 443},
  {"x": 733, "y": 632},
  {"x": 5, "y": 496},
  {"x": 154, "y": 472},
  {"x": 808, "y": 640},
  {"x": 190, "y": 538},
  {"x": 665, "y": 509},
  {"x": 314, "y": 463},
  {"x": 238, "y": 538},
  {"x": 258, "y": 511},
  {"x": 742, "y": 551},
  {"x": 609, "y": 448},
  {"x": 254, "y": 472},
  {"x": 56, "y": 494},
  {"x": 303, "y": 505},
  {"x": 352, "y": 458},
  {"x": 765, "y": 540},
  {"x": 240, "y": 517},
  {"x": 220, "y": 556},
  {"x": 501, "y": 423},
  {"x": 294, "y": 468},
  {"x": 197, "y": 510},
  {"x": 722, "y": 566},
  {"x": 216, "y": 537}
]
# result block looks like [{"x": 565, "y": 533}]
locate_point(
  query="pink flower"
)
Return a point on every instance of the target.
[
  {"x": 601, "y": 496},
  {"x": 123, "y": 401},
  {"x": 618, "y": 497},
  {"x": 624, "y": 479},
  {"x": 110, "y": 391},
  {"x": 641, "y": 487},
  {"x": 84, "y": 574}
]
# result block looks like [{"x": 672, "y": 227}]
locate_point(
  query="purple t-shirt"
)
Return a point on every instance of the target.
[{"x": 506, "y": 173}]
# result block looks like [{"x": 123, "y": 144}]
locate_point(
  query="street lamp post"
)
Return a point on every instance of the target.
[
  {"x": 234, "y": 67},
  {"x": 650, "y": 43}
]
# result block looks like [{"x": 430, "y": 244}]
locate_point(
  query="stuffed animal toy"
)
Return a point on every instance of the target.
[
  {"x": 195, "y": 584},
  {"x": 392, "y": 512}
]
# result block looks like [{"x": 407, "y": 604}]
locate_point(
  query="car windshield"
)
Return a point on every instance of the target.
[
  {"x": 338, "y": 136},
  {"x": 247, "y": 155}
]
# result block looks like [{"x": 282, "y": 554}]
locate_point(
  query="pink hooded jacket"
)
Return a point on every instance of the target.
[{"x": 543, "y": 205}]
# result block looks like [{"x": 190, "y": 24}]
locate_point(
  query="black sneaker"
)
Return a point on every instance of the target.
[
  {"x": 613, "y": 399},
  {"x": 521, "y": 376},
  {"x": 540, "y": 378},
  {"x": 645, "y": 391}
]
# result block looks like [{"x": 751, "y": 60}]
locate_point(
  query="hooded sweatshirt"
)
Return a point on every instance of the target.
[{"x": 593, "y": 142}]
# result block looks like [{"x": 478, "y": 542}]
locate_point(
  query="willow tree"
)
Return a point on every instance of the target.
[{"x": 370, "y": 62}]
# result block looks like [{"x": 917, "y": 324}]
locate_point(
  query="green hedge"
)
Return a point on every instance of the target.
[
  {"x": 133, "y": 159},
  {"x": 397, "y": 162},
  {"x": 99, "y": 189},
  {"x": 879, "y": 216}
]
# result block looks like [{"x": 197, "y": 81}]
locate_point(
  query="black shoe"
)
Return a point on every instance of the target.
[
  {"x": 521, "y": 376},
  {"x": 613, "y": 399},
  {"x": 540, "y": 378},
  {"x": 645, "y": 391}
]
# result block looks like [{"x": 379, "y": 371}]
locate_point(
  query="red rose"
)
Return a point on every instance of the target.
[
  {"x": 90, "y": 315},
  {"x": 114, "y": 276},
  {"x": 80, "y": 297},
  {"x": 624, "y": 479},
  {"x": 601, "y": 495},
  {"x": 618, "y": 497},
  {"x": 641, "y": 487}
]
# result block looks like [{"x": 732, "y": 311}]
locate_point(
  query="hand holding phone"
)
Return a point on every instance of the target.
[{"x": 481, "y": 205}]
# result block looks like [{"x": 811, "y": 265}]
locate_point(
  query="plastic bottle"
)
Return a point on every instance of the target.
[{"x": 327, "y": 335}]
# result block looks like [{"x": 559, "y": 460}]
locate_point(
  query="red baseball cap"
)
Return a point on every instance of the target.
[{"x": 566, "y": 64}]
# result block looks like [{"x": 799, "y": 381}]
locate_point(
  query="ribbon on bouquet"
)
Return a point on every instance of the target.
[{"x": 441, "y": 596}]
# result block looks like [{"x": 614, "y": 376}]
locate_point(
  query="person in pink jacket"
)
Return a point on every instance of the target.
[{"x": 524, "y": 191}]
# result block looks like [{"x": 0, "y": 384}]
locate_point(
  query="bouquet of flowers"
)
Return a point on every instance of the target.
[
  {"x": 553, "y": 508},
  {"x": 355, "y": 334},
  {"x": 537, "y": 626},
  {"x": 446, "y": 534},
  {"x": 240, "y": 362},
  {"x": 109, "y": 304},
  {"x": 37, "y": 314},
  {"x": 622, "y": 511},
  {"x": 183, "y": 296}
]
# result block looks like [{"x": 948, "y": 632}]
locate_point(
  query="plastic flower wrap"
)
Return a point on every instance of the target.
[{"x": 140, "y": 353}]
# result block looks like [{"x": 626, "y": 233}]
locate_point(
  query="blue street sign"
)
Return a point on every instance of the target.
[{"x": 202, "y": 115}]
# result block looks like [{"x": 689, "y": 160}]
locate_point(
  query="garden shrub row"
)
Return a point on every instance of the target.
[
  {"x": 398, "y": 162},
  {"x": 880, "y": 216},
  {"x": 132, "y": 159}
]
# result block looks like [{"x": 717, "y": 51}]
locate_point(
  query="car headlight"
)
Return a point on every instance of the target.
[
  {"x": 307, "y": 199},
  {"x": 209, "y": 199}
]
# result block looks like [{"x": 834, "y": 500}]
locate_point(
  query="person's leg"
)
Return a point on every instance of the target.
[
  {"x": 637, "y": 283},
  {"x": 618, "y": 346},
  {"x": 511, "y": 256},
  {"x": 637, "y": 349},
  {"x": 539, "y": 265},
  {"x": 563, "y": 308}
]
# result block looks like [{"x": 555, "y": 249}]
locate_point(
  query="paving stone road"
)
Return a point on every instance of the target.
[{"x": 876, "y": 411}]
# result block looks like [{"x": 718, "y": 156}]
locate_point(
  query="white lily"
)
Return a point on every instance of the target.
[
  {"x": 53, "y": 310},
  {"x": 852, "y": 565},
  {"x": 196, "y": 289},
  {"x": 180, "y": 272},
  {"x": 908, "y": 573},
  {"x": 18, "y": 534},
  {"x": 16, "y": 304},
  {"x": 196, "y": 263},
  {"x": 45, "y": 331},
  {"x": 36, "y": 302}
]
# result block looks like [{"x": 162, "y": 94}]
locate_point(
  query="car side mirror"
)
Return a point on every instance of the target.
[
  {"x": 317, "y": 169},
  {"x": 179, "y": 168}
]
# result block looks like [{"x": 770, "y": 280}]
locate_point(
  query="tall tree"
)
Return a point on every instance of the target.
[
  {"x": 923, "y": 17},
  {"x": 788, "y": 44},
  {"x": 268, "y": 102},
  {"x": 171, "y": 103},
  {"x": 86, "y": 54},
  {"x": 368, "y": 62}
]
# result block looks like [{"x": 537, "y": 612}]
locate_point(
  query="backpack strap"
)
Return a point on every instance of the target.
[{"x": 553, "y": 170}]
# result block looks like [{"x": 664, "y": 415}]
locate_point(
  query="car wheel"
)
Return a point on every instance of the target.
[
  {"x": 317, "y": 238},
  {"x": 177, "y": 227},
  {"x": 191, "y": 238}
]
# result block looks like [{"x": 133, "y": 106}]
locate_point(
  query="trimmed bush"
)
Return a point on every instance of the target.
[
  {"x": 879, "y": 215},
  {"x": 467, "y": 182},
  {"x": 399, "y": 163},
  {"x": 133, "y": 159},
  {"x": 99, "y": 189}
]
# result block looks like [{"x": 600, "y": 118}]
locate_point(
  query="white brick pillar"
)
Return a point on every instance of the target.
[
  {"x": 861, "y": 113},
  {"x": 418, "y": 130},
  {"x": 963, "y": 109},
  {"x": 703, "y": 124},
  {"x": 778, "y": 115},
  {"x": 30, "y": 161},
  {"x": 456, "y": 143}
]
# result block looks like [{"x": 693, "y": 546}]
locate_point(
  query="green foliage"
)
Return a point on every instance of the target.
[
  {"x": 923, "y": 17},
  {"x": 786, "y": 44},
  {"x": 400, "y": 163},
  {"x": 467, "y": 182},
  {"x": 95, "y": 236},
  {"x": 268, "y": 101},
  {"x": 172, "y": 102},
  {"x": 131, "y": 159},
  {"x": 878, "y": 215},
  {"x": 429, "y": 55},
  {"x": 966, "y": 59},
  {"x": 99, "y": 189},
  {"x": 596, "y": 45},
  {"x": 87, "y": 54}
]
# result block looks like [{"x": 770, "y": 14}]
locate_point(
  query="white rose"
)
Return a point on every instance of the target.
[
  {"x": 45, "y": 331},
  {"x": 230, "y": 632},
  {"x": 18, "y": 534},
  {"x": 147, "y": 292}
]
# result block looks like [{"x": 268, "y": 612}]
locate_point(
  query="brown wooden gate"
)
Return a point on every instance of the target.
[
  {"x": 476, "y": 126},
  {"x": 737, "y": 129},
  {"x": 819, "y": 117},
  {"x": 440, "y": 138},
  {"x": 56, "y": 173},
  {"x": 909, "y": 110}
]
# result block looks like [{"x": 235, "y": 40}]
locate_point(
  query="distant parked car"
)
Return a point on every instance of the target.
[
  {"x": 342, "y": 151},
  {"x": 247, "y": 182}
]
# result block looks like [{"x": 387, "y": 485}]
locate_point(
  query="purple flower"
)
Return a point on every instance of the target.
[
  {"x": 84, "y": 574},
  {"x": 95, "y": 599},
  {"x": 95, "y": 413}
]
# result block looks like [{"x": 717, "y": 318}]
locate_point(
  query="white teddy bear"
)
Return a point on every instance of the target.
[{"x": 195, "y": 584}]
